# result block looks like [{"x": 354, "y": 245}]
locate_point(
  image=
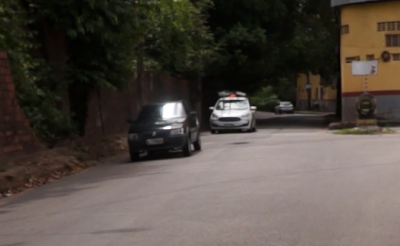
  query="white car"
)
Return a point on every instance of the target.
[
  {"x": 233, "y": 112},
  {"x": 284, "y": 107}
]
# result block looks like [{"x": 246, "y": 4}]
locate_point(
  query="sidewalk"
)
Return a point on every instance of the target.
[{"x": 314, "y": 112}]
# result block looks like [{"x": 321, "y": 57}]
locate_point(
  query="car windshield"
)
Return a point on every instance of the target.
[
  {"x": 161, "y": 112},
  {"x": 232, "y": 105},
  {"x": 286, "y": 103}
]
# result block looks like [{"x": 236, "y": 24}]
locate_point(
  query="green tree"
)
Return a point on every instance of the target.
[
  {"x": 83, "y": 45},
  {"x": 177, "y": 40},
  {"x": 264, "y": 99},
  {"x": 254, "y": 35}
]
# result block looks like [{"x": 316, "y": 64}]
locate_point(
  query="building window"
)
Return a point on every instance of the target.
[
  {"x": 391, "y": 26},
  {"x": 316, "y": 93},
  {"x": 345, "y": 29},
  {"x": 370, "y": 57},
  {"x": 381, "y": 26},
  {"x": 351, "y": 59},
  {"x": 393, "y": 40},
  {"x": 396, "y": 57},
  {"x": 388, "y": 26}
]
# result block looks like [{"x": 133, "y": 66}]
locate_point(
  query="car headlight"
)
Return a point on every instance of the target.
[
  {"x": 178, "y": 131},
  {"x": 214, "y": 117},
  {"x": 133, "y": 136}
]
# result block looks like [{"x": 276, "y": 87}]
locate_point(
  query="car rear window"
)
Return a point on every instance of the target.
[
  {"x": 232, "y": 105},
  {"x": 161, "y": 112}
]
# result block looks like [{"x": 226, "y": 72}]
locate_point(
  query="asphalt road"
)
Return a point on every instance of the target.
[{"x": 289, "y": 184}]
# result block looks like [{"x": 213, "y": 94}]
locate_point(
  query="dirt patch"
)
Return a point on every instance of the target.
[{"x": 21, "y": 173}]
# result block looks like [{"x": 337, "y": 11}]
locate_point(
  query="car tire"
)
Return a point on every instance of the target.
[
  {"x": 255, "y": 127},
  {"x": 197, "y": 144},
  {"x": 187, "y": 148},
  {"x": 134, "y": 156},
  {"x": 213, "y": 131}
]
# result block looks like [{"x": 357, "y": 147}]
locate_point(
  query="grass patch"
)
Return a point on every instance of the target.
[
  {"x": 361, "y": 131},
  {"x": 388, "y": 130}
]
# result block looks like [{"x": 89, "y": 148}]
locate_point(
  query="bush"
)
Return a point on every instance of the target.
[{"x": 265, "y": 99}]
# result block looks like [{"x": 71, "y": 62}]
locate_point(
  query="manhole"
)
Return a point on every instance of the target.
[{"x": 237, "y": 143}]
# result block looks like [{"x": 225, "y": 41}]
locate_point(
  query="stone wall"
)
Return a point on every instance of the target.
[{"x": 16, "y": 136}]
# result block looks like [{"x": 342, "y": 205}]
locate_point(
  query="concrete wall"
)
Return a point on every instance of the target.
[
  {"x": 364, "y": 39},
  {"x": 388, "y": 108},
  {"x": 16, "y": 136}
]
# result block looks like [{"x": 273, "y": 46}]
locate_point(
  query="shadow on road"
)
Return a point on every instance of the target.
[{"x": 117, "y": 168}]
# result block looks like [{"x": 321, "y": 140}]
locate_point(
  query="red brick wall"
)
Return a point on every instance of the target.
[
  {"x": 16, "y": 136},
  {"x": 116, "y": 107}
]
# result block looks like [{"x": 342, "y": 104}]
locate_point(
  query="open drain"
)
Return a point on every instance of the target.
[{"x": 237, "y": 143}]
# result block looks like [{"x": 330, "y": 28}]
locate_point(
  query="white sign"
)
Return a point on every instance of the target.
[{"x": 364, "y": 68}]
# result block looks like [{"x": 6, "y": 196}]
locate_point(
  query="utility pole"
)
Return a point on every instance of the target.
[{"x": 308, "y": 89}]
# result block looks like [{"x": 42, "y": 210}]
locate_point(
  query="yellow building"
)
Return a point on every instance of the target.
[
  {"x": 370, "y": 30},
  {"x": 312, "y": 95}
]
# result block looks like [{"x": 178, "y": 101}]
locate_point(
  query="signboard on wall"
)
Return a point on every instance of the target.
[{"x": 364, "y": 68}]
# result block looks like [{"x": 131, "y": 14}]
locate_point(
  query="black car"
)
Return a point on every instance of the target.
[{"x": 163, "y": 127}]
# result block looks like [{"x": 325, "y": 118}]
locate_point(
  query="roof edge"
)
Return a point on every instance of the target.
[{"x": 339, "y": 3}]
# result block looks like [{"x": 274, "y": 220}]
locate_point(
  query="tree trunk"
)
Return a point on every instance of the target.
[
  {"x": 339, "y": 69},
  {"x": 139, "y": 75}
]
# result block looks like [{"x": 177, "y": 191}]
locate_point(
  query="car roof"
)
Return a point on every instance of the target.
[
  {"x": 162, "y": 103},
  {"x": 233, "y": 98}
]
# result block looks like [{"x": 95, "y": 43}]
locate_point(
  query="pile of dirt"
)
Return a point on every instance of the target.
[{"x": 19, "y": 174}]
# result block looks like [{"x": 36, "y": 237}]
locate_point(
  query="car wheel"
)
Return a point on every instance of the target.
[
  {"x": 187, "y": 148},
  {"x": 197, "y": 144},
  {"x": 255, "y": 126},
  {"x": 213, "y": 131},
  {"x": 134, "y": 156}
]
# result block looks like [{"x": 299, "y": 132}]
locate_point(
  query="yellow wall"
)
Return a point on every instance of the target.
[
  {"x": 329, "y": 93},
  {"x": 364, "y": 39}
]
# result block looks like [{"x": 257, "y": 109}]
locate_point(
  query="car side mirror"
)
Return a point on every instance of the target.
[
  {"x": 253, "y": 108},
  {"x": 211, "y": 108},
  {"x": 193, "y": 113}
]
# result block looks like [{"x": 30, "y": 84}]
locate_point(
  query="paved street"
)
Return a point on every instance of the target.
[{"x": 290, "y": 184}]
